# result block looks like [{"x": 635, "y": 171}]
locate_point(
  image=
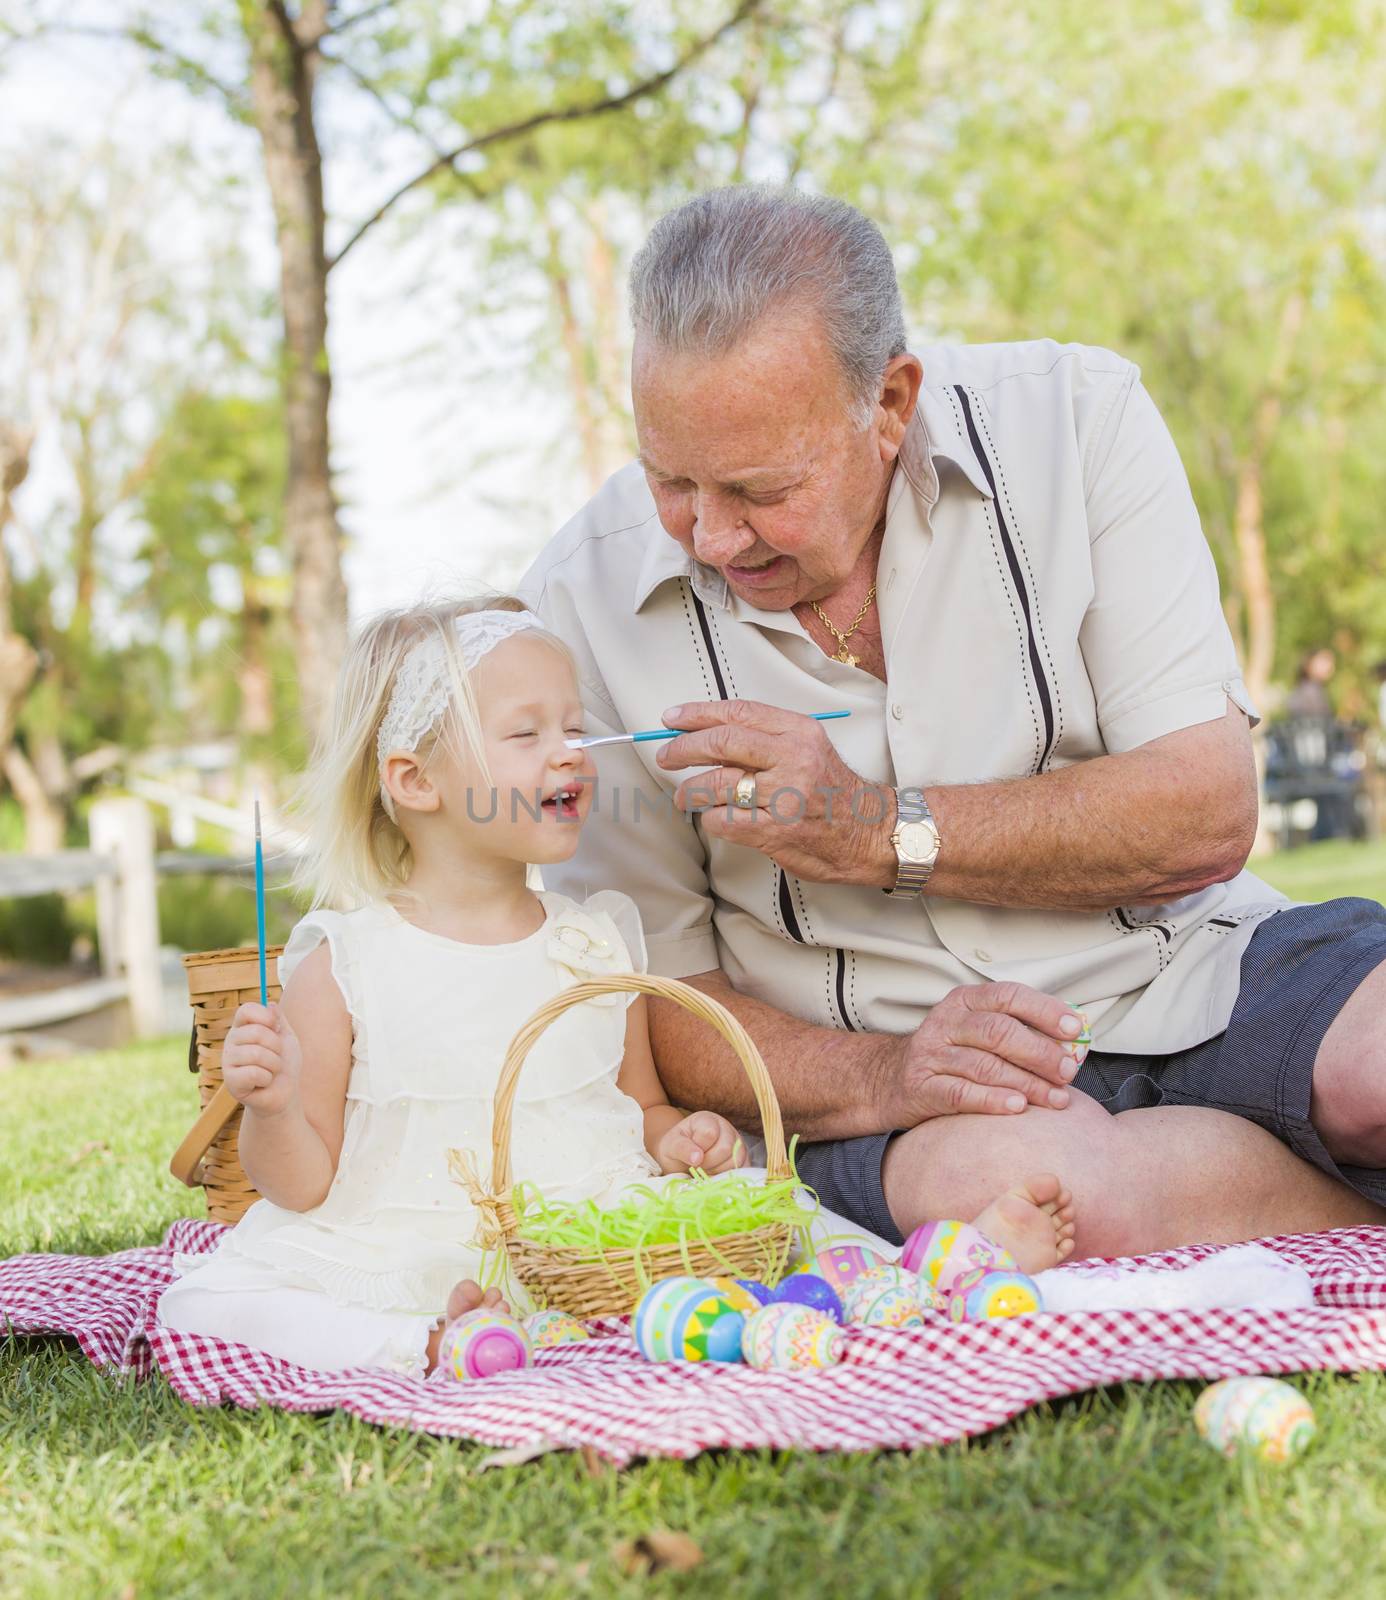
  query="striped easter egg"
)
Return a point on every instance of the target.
[
  {"x": 843, "y": 1264},
  {"x": 1269, "y": 1418},
  {"x": 791, "y": 1338},
  {"x": 885, "y": 1297},
  {"x": 686, "y": 1319},
  {"x": 943, "y": 1252}
]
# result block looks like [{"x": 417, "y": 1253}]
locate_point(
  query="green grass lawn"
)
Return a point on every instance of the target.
[{"x": 112, "y": 1488}]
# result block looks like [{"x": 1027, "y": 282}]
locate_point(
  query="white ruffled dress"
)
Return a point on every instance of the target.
[{"x": 362, "y": 1278}]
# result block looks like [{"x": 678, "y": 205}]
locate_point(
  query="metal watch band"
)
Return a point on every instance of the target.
[{"x": 911, "y": 876}]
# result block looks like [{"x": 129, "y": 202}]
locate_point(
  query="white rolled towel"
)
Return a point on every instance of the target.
[{"x": 1243, "y": 1275}]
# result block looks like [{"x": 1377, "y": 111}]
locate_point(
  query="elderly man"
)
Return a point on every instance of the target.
[{"x": 1042, "y": 798}]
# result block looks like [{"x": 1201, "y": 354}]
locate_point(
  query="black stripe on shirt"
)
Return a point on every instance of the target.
[{"x": 1018, "y": 579}]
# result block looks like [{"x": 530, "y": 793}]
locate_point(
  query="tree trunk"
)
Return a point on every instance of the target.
[
  {"x": 45, "y": 826},
  {"x": 18, "y": 660},
  {"x": 284, "y": 58},
  {"x": 1249, "y": 536},
  {"x": 579, "y": 375}
]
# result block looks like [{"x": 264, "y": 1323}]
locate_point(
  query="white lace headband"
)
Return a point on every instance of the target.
[{"x": 421, "y": 691}]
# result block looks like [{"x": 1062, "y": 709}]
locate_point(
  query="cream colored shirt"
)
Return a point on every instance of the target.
[{"x": 1046, "y": 596}]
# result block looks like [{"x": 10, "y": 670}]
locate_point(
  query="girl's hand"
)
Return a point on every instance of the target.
[
  {"x": 261, "y": 1061},
  {"x": 703, "y": 1140}
]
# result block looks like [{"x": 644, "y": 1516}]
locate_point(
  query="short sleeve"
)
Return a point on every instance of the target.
[
  {"x": 1155, "y": 642},
  {"x": 316, "y": 927},
  {"x": 623, "y": 912},
  {"x": 635, "y": 839}
]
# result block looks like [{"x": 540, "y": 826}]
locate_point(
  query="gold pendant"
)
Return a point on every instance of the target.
[{"x": 846, "y": 657}]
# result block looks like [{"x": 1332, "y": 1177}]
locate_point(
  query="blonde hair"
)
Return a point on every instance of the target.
[{"x": 356, "y": 850}]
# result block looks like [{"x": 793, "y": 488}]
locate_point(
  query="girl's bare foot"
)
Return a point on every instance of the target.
[
  {"x": 466, "y": 1296},
  {"x": 1034, "y": 1221}
]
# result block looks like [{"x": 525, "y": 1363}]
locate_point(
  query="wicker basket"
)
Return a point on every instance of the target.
[
  {"x": 218, "y": 982},
  {"x": 568, "y": 1279}
]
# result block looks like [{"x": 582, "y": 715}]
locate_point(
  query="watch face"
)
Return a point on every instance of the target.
[{"x": 917, "y": 841}]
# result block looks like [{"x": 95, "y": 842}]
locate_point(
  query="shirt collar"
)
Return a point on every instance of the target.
[{"x": 934, "y": 432}]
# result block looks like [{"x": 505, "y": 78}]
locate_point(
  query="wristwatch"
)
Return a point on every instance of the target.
[{"x": 916, "y": 842}]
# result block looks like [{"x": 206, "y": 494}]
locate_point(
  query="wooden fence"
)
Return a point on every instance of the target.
[{"x": 123, "y": 868}]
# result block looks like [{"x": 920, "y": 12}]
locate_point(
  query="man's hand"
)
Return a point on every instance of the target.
[
  {"x": 703, "y": 1140},
  {"x": 814, "y": 816},
  {"x": 990, "y": 1048}
]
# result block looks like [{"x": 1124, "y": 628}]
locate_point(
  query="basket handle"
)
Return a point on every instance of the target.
[
  {"x": 186, "y": 1164},
  {"x": 684, "y": 994}
]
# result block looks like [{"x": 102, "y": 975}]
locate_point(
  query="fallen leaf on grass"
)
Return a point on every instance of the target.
[
  {"x": 516, "y": 1455},
  {"x": 657, "y": 1551},
  {"x": 93, "y": 1147}
]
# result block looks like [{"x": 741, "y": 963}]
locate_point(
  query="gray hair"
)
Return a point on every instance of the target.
[{"x": 715, "y": 267}]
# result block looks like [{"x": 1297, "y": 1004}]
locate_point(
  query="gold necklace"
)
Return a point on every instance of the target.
[{"x": 844, "y": 655}]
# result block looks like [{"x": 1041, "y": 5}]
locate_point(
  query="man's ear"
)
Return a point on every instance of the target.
[
  {"x": 407, "y": 784},
  {"x": 900, "y": 385}
]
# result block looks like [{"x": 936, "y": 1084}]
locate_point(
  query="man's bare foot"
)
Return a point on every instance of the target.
[
  {"x": 466, "y": 1296},
  {"x": 1034, "y": 1221}
]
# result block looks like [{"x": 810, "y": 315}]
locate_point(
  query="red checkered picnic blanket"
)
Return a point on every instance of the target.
[{"x": 893, "y": 1389}]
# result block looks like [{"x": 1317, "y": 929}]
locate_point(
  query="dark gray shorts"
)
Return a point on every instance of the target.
[{"x": 1297, "y": 974}]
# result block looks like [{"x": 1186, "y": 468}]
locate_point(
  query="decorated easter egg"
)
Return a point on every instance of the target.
[
  {"x": 548, "y": 1328},
  {"x": 483, "y": 1342},
  {"x": 885, "y": 1297},
  {"x": 808, "y": 1289},
  {"x": 763, "y": 1295},
  {"x": 986, "y": 1294},
  {"x": 686, "y": 1319},
  {"x": 791, "y": 1337},
  {"x": 1269, "y": 1418},
  {"x": 740, "y": 1293},
  {"x": 943, "y": 1252},
  {"x": 1079, "y": 1046},
  {"x": 843, "y": 1264}
]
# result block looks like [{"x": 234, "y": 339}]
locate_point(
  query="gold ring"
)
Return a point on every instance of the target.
[{"x": 744, "y": 795}]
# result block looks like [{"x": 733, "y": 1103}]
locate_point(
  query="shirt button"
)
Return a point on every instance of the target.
[
  {"x": 897, "y": 711},
  {"x": 982, "y": 955}
]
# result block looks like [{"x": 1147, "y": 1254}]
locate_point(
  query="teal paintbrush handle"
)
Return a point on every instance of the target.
[{"x": 673, "y": 733}]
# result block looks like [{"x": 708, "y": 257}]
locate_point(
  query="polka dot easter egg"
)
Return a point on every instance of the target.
[
  {"x": 808, "y": 1289},
  {"x": 842, "y": 1265},
  {"x": 481, "y": 1343},
  {"x": 1269, "y": 1418},
  {"x": 791, "y": 1338},
  {"x": 885, "y": 1297},
  {"x": 686, "y": 1319},
  {"x": 741, "y": 1293},
  {"x": 987, "y": 1295},
  {"x": 549, "y": 1328},
  {"x": 943, "y": 1252}
]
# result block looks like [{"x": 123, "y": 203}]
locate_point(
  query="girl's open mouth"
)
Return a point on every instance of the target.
[{"x": 563, "y": 803}]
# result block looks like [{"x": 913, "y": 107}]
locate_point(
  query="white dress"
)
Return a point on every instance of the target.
[{"x": 362, "y": 1278}]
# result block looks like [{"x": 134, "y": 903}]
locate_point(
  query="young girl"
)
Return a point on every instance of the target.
[{"x": 444, "y": 774}]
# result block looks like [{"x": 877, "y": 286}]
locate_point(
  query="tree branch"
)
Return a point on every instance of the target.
[
  {"x": 334, "y": 28},
  {"x": 201, "y": 76},
  {"x": 515, "y": 130}
]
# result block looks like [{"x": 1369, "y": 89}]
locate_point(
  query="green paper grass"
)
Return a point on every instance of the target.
[{"x": 684, "y": 1211}]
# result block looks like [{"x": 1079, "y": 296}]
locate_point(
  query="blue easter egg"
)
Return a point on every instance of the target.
[
  {"x": 761, "y": 1293},
  {"x": 808, "y": 1289},
  {"x": 687, "y": 1319}
]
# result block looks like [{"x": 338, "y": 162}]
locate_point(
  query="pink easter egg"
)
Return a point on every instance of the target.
[
  {"x": 843, "y": 1264},
  {"x": 481, "y": 1343},
  {"x": 943, "y": 1252}
]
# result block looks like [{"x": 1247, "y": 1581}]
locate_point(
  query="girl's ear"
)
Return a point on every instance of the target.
[{"x": 408, "y": 785}]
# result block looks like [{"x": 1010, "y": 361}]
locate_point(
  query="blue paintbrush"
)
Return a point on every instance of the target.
[
  {"x": 666, "y": 733},
  {"x": 260, "y": 904}
]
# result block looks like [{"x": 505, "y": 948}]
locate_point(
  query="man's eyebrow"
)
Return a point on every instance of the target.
[{"x": 758, "y": 476}]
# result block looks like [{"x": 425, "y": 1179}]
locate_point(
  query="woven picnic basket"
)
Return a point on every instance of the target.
[
  {"x": 218, "y": 982},
  {"x": 609, "y": 1284}
]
